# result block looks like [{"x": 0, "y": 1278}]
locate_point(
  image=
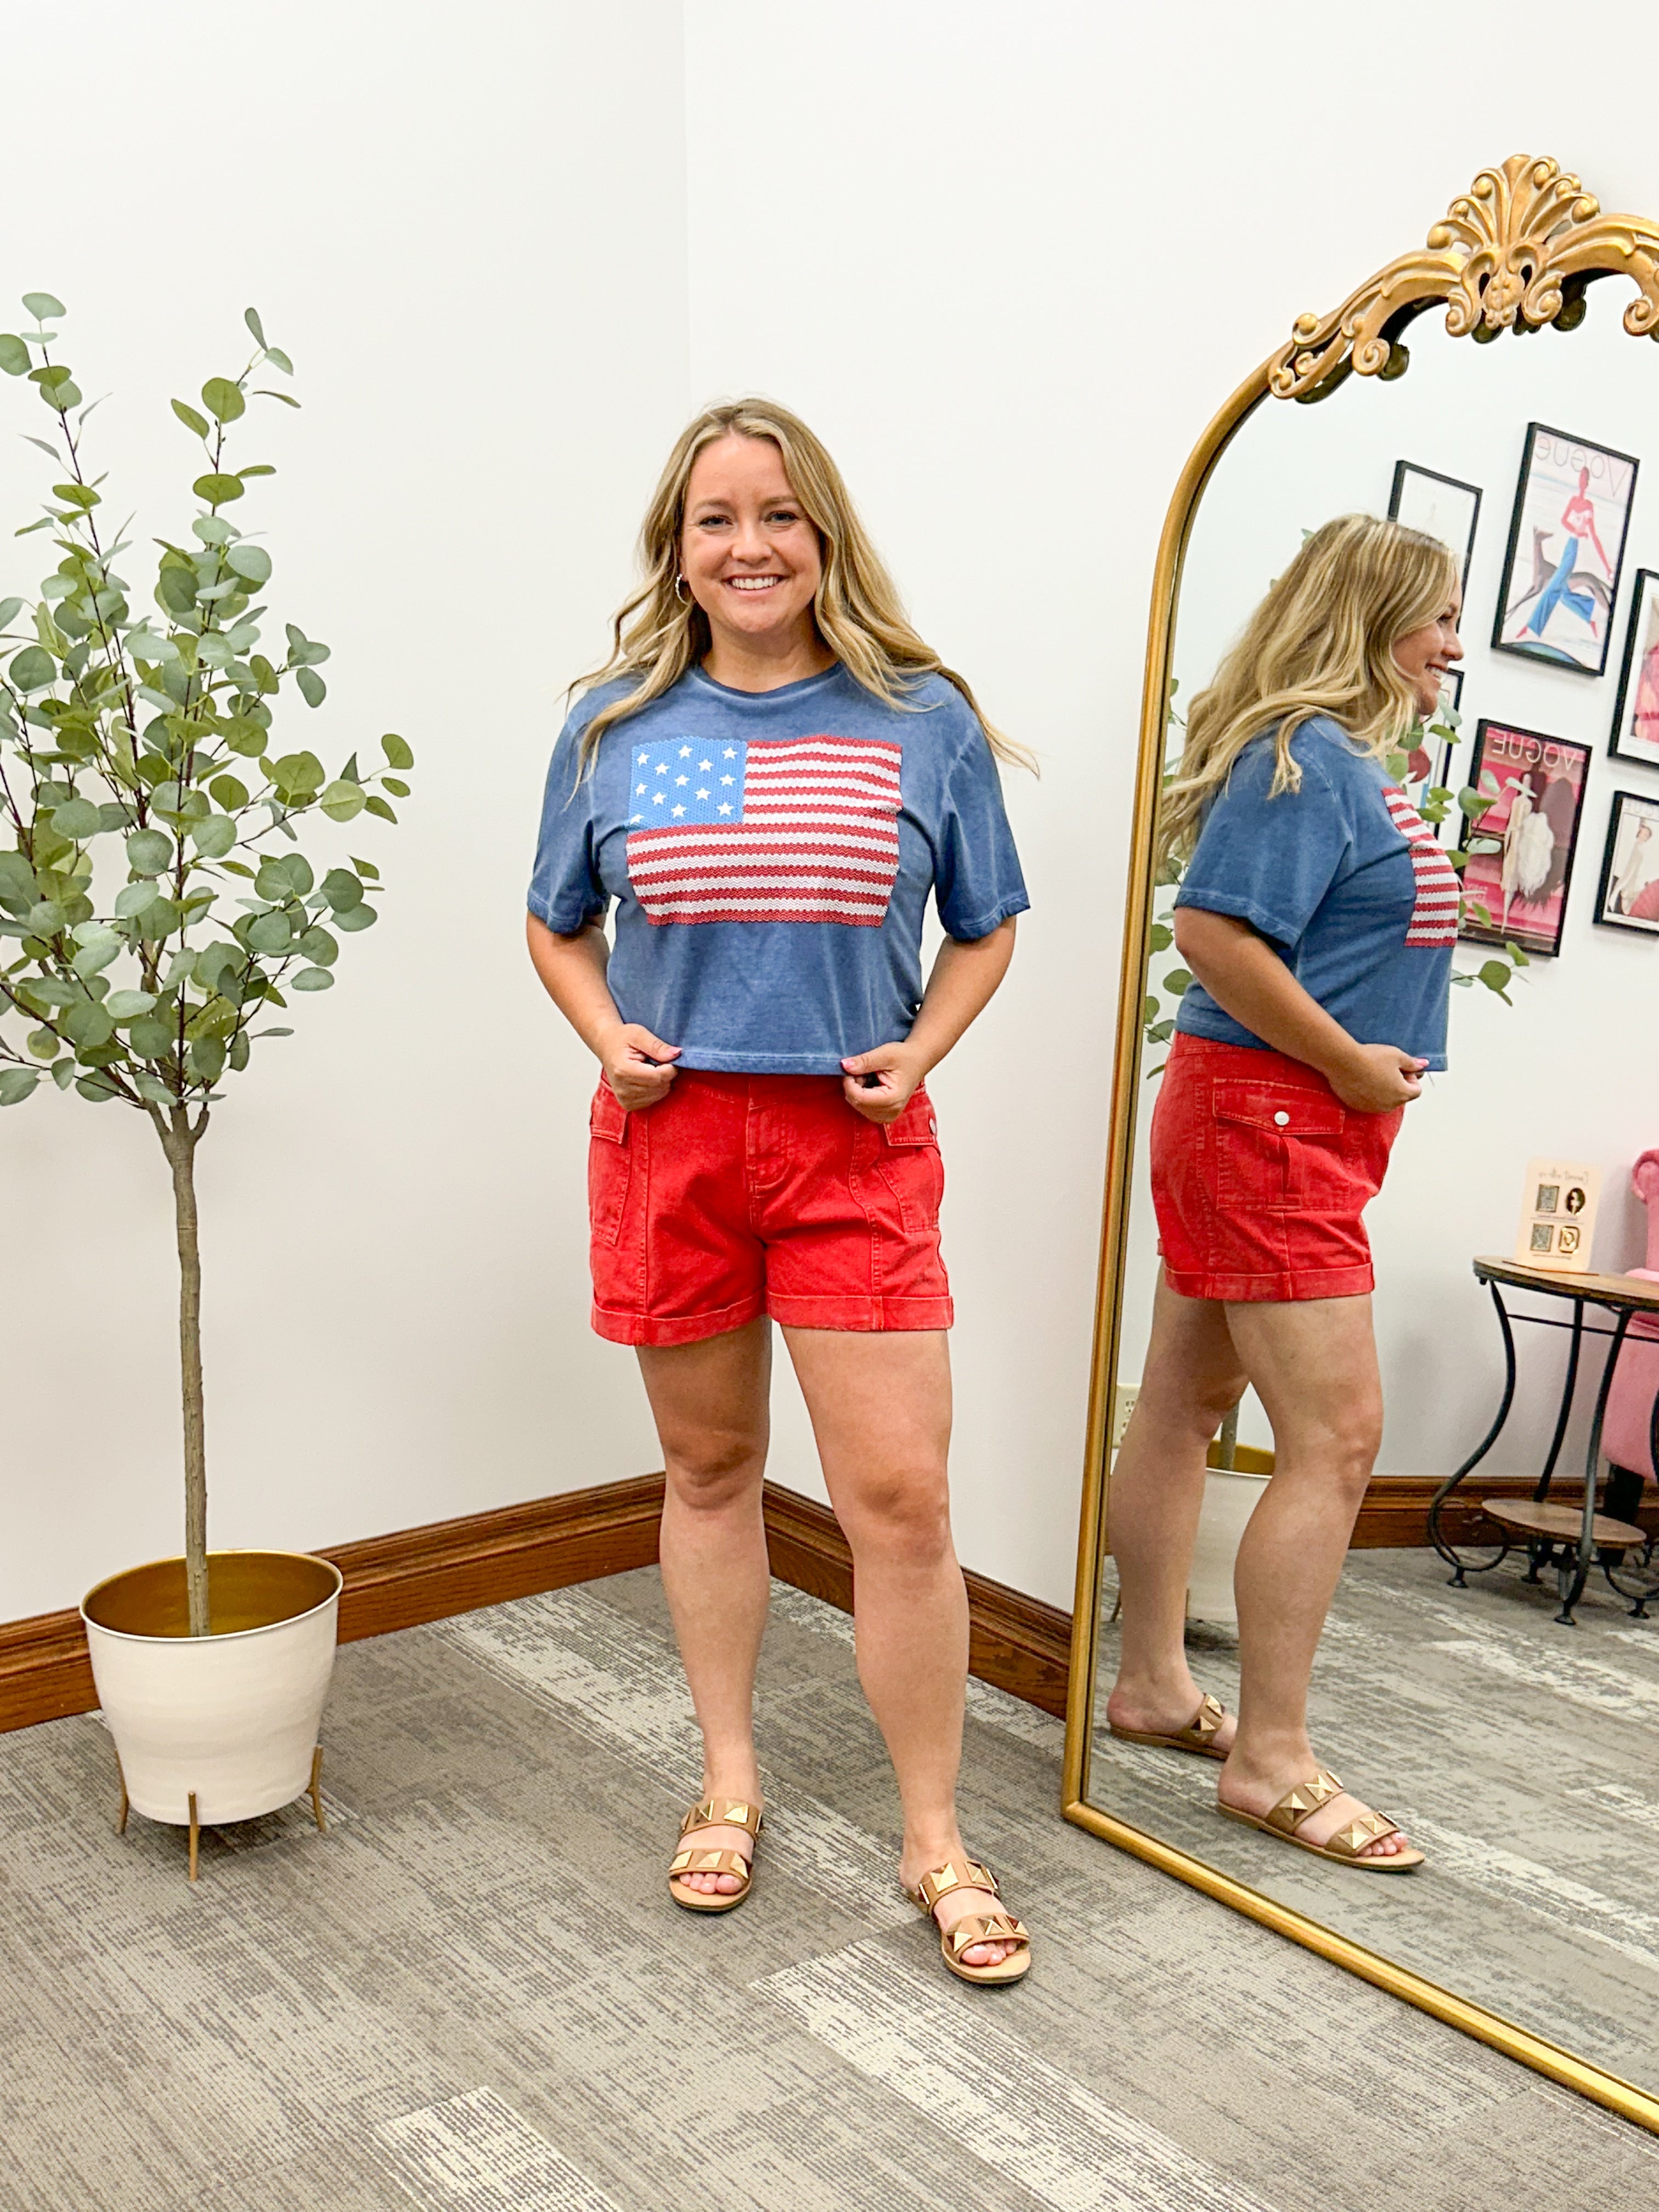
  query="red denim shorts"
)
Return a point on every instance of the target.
[
  {"x": 738, "y": 1195},
  {"x": 1260, "y": 1175}
]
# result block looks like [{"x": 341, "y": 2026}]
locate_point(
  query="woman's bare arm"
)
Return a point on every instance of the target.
[
  {"x": 1248, "y": 980},
  {"x": 573, "y": 970}
]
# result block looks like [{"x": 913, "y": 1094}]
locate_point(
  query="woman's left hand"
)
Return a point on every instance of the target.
[{"x": 898, "y": 1069}]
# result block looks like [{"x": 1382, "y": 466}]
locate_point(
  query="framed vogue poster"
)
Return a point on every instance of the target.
[
  {"x": 1521, "y": 886},
  {"x": 1567, "y": 544},
  {"x": 1636, "y": 718},
  {"x": 1440, "y": 507},
  {"x": 1628, "y": 895}
]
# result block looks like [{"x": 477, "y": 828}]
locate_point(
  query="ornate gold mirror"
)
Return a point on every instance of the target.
[{"x": 1518, "y": 1748}]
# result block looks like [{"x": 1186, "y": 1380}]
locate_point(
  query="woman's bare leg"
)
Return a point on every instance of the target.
[
  {"x": 881, "y": 1413},
  {"x": 710, "y": 1404},
  {"x": 1313, "y": 1365},
  {"x": 1192, "y": 1380}
]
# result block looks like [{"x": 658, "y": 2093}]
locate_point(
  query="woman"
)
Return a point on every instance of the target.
[
  {"x": 1317, "y": 916},
  {"x": 770, "y": 777}
]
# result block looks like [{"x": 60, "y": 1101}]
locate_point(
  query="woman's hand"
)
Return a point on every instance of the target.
[
  {"x": 629, "y": 1056},
  {"x": 897, "y": 1068},
  {"x": 1375, "y": 1079}
]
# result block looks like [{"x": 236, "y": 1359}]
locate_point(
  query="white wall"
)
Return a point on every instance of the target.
[
  {"x": 467, "y": 228},
  {"x": 1008, "y": 263}
]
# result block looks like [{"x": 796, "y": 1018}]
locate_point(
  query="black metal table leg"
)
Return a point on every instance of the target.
[{"x": 1573, "y": 1577}]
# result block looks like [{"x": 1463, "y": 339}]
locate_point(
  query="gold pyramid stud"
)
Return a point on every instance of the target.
[
  {"x": 1293, "y": 1803},
  {"x": 943, "y": 1879}
]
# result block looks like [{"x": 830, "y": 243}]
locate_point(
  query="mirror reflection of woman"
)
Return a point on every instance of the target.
[
  {"x": 771, "y": 778},
  {"x": 1317, "y": 916}
]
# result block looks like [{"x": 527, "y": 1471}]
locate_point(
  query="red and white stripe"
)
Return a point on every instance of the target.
[
  {"x": 1434, "y": 916},
  {"x": 818, "y": 841}
]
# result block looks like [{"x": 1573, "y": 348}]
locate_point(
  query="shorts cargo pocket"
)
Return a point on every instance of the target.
[
  {"x": 610, "y": 1165},
  {"x": 911, "y": 1165},
  {"x": 1281, "y": 1148}
]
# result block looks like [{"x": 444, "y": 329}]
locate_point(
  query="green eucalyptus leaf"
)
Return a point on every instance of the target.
[
  {"x": 342, "y": 801},
  {"x": 100, "y": 953},
  {"x": 43, "y": 307},
  {"x": 191, "y": 421},
  {"x": 354, "y": 918},
  {"x": 87, "y": 1023},
  {"x": 216, "y": 489},
  {"x": 14, "y": 354},
  {"x": 99, "y": 1089},
  {"x": 17, "y": 1083},
  {"x": 223, "y": 399},
  {"x": 214, "y": 837},
  {"x": 133, "y": 898},
  {"x": 312, "y": 689},
  {"x": 176, "y": 590},
  {"x": 311, "y": 979},
  {"x": 46, "y": 918},
  {"x": 297, "y": 869},
  {"x": 398, "y": 754},
  {"x": 395, "y": 785},
  {"x": 43, "y": 1043},
  {"x": 341, "y": 889},
  {"x": 33, "y": 669},
  {"x": 127, "y": 1006},
  {"x": 251, "y": 317},
  {"x": 298, "y": 776},
  {"x": 239, "y": 1050},
  {"x": 318, "y": 947},
  {"x": 207, "y": 1058},
  {"x": 151, "y": 1037},
  {"x": 10, "y": 611},
  {"x": 149, "y": 852},
  {"x": 247, "y": 737},
  {"x": 251, "y": 562},
  {"x": 380, "y": 806},
  {"x": 229, "y": 792},
  {"x": 77, "y": 818},
  {"x": 271, "y": 933},
  {"x": 63, "y": 1073}
]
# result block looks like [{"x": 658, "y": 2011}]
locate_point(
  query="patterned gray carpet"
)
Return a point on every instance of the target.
[
  {"x": 474, "y": 1995},
  {"x": 1516, "y": 1753}
]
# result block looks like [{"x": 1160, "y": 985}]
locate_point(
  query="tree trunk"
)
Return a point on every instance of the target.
[{"x": 178, "y": 1141}]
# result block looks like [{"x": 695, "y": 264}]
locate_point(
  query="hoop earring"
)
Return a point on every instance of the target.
[{"x": 680, "y": 592}]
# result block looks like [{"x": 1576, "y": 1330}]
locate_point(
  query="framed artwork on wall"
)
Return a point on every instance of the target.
[
  {"x": 1628, "y": 895},
  {"x": 1440, "y": 507},
  {"x": 1567, "y": 544},
  {"x": 1636, "y": 718},
  {"x": 1517, "y": 892}
]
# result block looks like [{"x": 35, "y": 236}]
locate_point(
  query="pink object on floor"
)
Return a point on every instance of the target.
[{"x": 1626, "y": 1428}]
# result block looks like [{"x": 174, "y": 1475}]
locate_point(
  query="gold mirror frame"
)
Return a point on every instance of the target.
[{"x": 1516, "y": 251}]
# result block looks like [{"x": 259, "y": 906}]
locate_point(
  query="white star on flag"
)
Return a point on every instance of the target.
[
  {"x": 657, "y": 801},
  {"x": 731, "y": 753},
  {"x": 682, "y": 779},
  {"x": 661, "y": 770},
  {"x": 725, "y": 807},
  {"x": 679, "y": 810},
  {"x": 638, "y": 789},
  {"x": 643, "y": 758},
  {"x": 705, "y": 766},
  {"x": 702, "y": 794},
  {"x": 685, "y": 752}
]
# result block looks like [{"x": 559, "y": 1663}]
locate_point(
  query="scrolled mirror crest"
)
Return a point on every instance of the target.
[{"x": 1515, "y": 252}]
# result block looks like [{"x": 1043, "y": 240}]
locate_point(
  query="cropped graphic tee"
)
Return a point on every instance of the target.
[
  {"x": 771, "y": 855},
  {"x": 1346, "y": 883}
]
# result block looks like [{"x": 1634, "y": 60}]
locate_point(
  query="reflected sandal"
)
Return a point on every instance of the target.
[
  {"x": 714, "y": 1812},
  {"x": 1346, "y": 1847},
  {"x": 1198, "y": 1735},
  {"x": 973, "y": 1927}
]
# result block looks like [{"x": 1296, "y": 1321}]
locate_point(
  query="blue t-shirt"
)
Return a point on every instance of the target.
[
  {"x": 1345, "y": 882},
  {"x": 771, "y": 855}
]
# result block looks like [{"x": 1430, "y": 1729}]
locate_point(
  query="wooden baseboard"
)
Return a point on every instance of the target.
[
  {"x": 415, "y": 1575},
  {"x": 1017, "y": 1641},
  {"x": 395, "y": 1581}
]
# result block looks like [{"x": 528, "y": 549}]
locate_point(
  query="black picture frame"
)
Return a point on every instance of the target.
[
  {"x": 1403, "y": 471},
  {"x": 1551, "y": 752},
  {"x": 1623, "y": 744},
  {"x": 1650, "y": 806},
  {"x": 1554, "y": 656}
]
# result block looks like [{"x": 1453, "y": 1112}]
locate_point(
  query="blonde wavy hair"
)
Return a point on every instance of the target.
[
  {"x": 657, "y": 637},
  {"x": 1322, "y": 642}
]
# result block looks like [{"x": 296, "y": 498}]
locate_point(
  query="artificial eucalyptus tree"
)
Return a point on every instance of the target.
[{"x": 152, "y": 879}]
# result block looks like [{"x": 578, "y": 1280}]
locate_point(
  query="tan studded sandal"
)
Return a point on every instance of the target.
[
  {"x": 973, "y": 1927},
  {"x": 1347, "y": 1846},
  {"x": 714, "y": 1812},
  {"x": 1198, "y": 1735}
]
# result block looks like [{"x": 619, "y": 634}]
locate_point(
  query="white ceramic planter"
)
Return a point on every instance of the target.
[
  {"x": 232, "y": 1717},
  {"x": 1230, "y": 1499}
]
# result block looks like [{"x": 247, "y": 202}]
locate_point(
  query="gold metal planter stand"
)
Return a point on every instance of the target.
[{"x": 313, "y": 1790}]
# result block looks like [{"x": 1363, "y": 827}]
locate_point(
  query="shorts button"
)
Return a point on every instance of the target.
[{"x": 1282, "y": 1120}]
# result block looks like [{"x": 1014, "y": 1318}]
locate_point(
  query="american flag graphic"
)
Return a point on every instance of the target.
[
  {"x": 1434, "y": 917},
  {"x": 786, "y": 830}
]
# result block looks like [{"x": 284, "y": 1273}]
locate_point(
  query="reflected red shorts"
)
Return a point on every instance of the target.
[
  {"x": 738, "y": 1195},
  {"x": 1260, "y": 1176}
]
